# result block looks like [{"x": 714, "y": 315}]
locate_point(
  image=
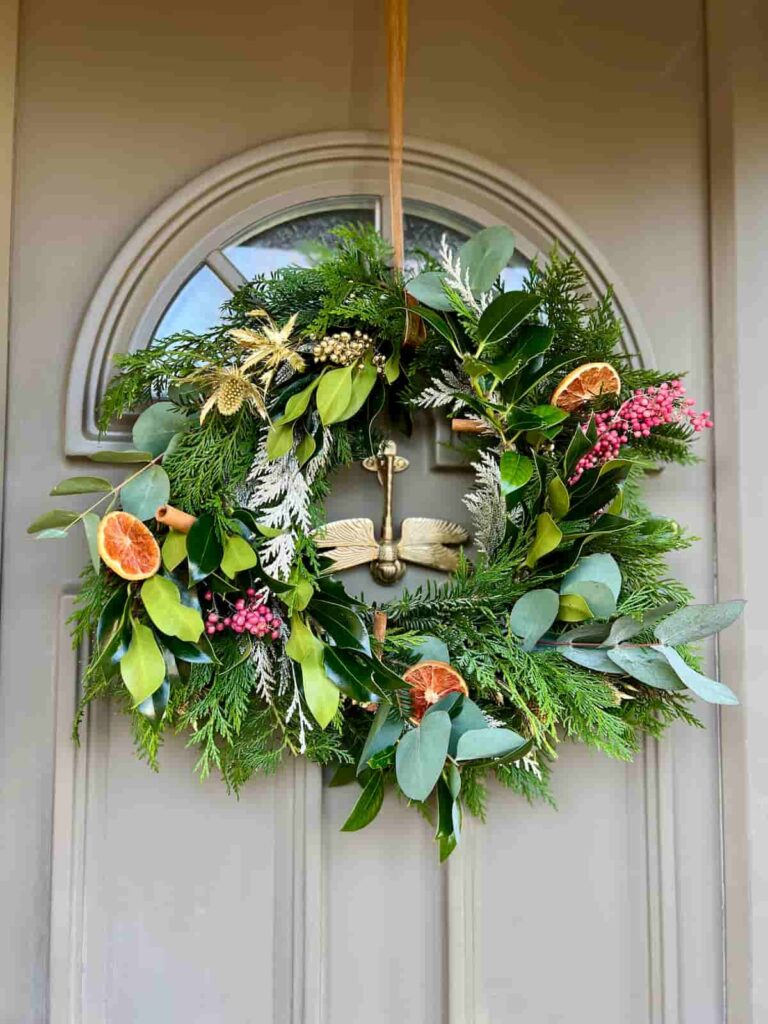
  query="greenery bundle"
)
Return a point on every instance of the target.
[{"x": 210, "y": 595}]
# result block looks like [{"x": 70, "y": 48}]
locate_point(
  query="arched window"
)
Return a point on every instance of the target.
[{"x": 266, "y": 209}]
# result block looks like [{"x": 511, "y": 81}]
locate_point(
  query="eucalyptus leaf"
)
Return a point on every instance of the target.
[
  {"x": 143, "y": 496},
  {"x": 547, "y": 539},
  {"x": 153, "y": 430},
  {"x": 647, "y": 665},
  {"x": 708, "y": 689},
  {"x": 56, "y": 519},
  {"x": 334, "y": 393},
  {"x": 82, "y": 485},
  {"x": 598, "y": 568},
  {"x": 624, "y": 628},
  {"x": 590, "y": 657},
  {"x": 421, "y": 754},
  {"x": 142, "y": 667},
  {"x": 485, "y": 255},
  {"x": 386, "y": 729},
  {"x": 470, "y": 717},
  {"x": 697, "y": 621},
  {"x": 477, "y": 744},
  {"x": 368, "y": 804},
  {"x": 126, "y": 455},
  {"x": 204, "y": 550},
  {"x": 429, "y": 648},
  {"x": 162, "y": 601},
  {"x": 427, "y": 288},
  {"x": 91, "y": 527},
  {"x": 532, "y": 615},
  {"x": 238, "y": 556}
]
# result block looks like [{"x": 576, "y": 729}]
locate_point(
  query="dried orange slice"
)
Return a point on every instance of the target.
[
  {"x": 584, "y": 384},
  {"x": 429, "y": 681},
  {"x": 127, "y": 546}
]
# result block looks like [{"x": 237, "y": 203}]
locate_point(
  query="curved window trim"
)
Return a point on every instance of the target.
[{"x": 257, "y": 188}]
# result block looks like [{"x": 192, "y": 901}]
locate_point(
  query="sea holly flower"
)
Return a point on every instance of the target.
[
  {"x": 636, "y": 418},
  {"x": 232, "y": 389}
]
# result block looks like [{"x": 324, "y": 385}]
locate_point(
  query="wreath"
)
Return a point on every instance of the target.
[{"x": 212, "y": 598}]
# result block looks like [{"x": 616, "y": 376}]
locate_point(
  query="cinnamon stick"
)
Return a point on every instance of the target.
[
  {"x": 459, "y": 426},
  {"x": 175, "y": 519}
]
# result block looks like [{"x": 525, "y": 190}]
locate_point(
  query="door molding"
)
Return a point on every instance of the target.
[{"x": 191, "y": 228}]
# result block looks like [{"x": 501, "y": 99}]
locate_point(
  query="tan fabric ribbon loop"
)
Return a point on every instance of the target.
[{"x": 397, "y": 46}]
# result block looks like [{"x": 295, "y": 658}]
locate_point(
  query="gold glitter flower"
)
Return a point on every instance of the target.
[{"x": 270, "y": 346}]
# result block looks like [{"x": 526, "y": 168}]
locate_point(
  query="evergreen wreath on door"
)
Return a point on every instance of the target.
[{"x": 212, "y": 596}]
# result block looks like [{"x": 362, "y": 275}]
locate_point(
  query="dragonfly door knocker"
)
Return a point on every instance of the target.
[{"x": 430, "y": 542}]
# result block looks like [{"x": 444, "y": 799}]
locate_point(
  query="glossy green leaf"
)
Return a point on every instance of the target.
[
  {"x": 697, "y": 621},
  {"x": 174, "y": 549},
  {"x": 142, "y": 667},
  {"x": 238, "y": 556},
  {"x": 350, "y": 675},
  {"x": 153, "y": 430},
  {"x": 305, "y": 449},
  {"x": 143, "y": 496},
  {"x": 204, "y": 550},
  {"x": 531, "y": 341},
  {"x": 154, "y": 706},
  {"x": 321, "y": 695},
  {"x": 440, "y": 324},
  {"x": 485, "y": 255},
  {"x": 598, "y": 568},
  {"x": 279, "y": 440},
  {"x": 708, "y": 689},
  {"x": 427, "y": 288},
  {"x": 297, "y": 404},
  {"x": 111, "y": 619},
  {"x": 162, "y": 601},
  {"x": 334, "y": 393},
  {"x": 504, "y": 314},
  {"x": 421, "y": 754},
  {"x": 392, "y": 368},
  {"x": 343, "y": 775},
  {"x": 385, "y": 731},
  {"x": 120, "y": 457},
  {"x": 477, "y": 744},
  {"x": 183, "y": 650},
  {"x": 557, "y": 494},
  {"x": 363, "y": 380},
  {"x": 647, "y": 665},
  {"x": 343, "y": 625},
  {"x": 56, "y": 519},
  {"x": 573, "y": 608},
  {"x": 583, "y": 441},
  {"x": 516, "y": 470},
  {"x": 532, "y": 615},
  {"x": 91, "y": 527},
  {"x": 82, "y": 485},
  {"x": 368, "y": 804},
  {"x": 548, "y": 537}
]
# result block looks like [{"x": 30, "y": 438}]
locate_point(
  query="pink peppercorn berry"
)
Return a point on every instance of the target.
[
  {"x": 647, "y": 408},
  {"x": 244, "y": 615}
]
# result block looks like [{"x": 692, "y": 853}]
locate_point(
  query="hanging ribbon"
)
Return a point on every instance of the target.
[{"x": 397, "y": 45}]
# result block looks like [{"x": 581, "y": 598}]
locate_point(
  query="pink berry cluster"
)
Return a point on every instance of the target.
[
  {"x": 246, "y": 614},
  {"x": 647, "y": 408}
]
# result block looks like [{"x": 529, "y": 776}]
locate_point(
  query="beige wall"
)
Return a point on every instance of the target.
[{"x": 120, "y": 103}]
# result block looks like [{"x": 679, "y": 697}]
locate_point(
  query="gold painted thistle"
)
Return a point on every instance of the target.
[{"x": 433, "y": 543}]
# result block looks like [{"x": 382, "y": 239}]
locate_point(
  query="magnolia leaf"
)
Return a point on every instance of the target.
[
  {"x": 531, "y": 341},
  {"x": 504, "y": 314},
  {"x": 559, "y": 501},
  {"x": 174, "y": 549},
  {"x": 485, "y": 255},
  {"x": 153, "y": 430},
  {"x": 421, "y": 754},
  {"x": 697, "y": 621},
  {"x": 590, "y": 657},
  {"x": 647, "y": 665},
  {"x": 392, "y": 368},
  {"x": 143, "y": 496},
  {"x": 516, "y": 470},
  {"x": 708, "y": 689},
  {"x": 532, "y": 615},
  {"x": 162, "y": 600},
  {"x": 321, "y": 695},
  {"x": 297, "y": 404},
  {"x": 334, "y": 393},
  {"x": 428, "y": 289},
  {"x": 56, "y": 519},
  {"x": 126, "y": 455},
  {"x": 82, "y": 485},
  {"x": 344, "y": 626},
  {"x": 238, "y": 556},
  {"x": 600, "y": 568},
  {"x": 204, "y": 550},
  {"x": 368, "y": 804},
  {"x": 183, "y": 650},
  {"x": 476, "y": 744},
  {"x": 305, "y": 449},
  {"x": 363, "y": 381},
  {"x": 598, "y": 596},
  {"x": 385, "y": 731},
  {"x": 142, "y": 667},
  {"x": 548, "y": 536},
  {"x": 154, "y": 706},
  {"x": 573, "y": 608},
  {"x": 351, "y": 676},
  {"x": 279, "y": 440},
  {"x": 91, "y": 526}
]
